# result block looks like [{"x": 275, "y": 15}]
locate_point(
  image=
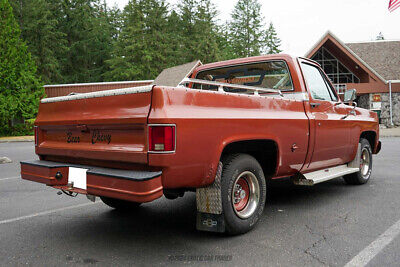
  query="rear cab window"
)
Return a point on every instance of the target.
[{"x": 265, "y": 75}]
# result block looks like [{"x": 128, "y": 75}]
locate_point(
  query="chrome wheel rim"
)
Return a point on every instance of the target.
[
  {"x": 245, "y": 194},
  {"x": 365, "y": 162}
]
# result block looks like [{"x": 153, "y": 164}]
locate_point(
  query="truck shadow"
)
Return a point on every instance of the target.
[
  {"x": 282, "y": 191},
  {"x": 165, "y": 218},
  {"x": 164, "y": 228}
]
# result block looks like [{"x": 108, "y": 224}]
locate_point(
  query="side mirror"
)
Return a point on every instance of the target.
[{"x": 350, "y": 95}]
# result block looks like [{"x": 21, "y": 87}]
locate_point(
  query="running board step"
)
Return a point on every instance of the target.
[{"x": 320, "y": 176}]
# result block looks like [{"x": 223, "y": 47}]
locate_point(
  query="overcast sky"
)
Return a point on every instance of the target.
[{"x": 301, "y": 23}]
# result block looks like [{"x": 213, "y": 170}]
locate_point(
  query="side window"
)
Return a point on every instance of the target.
[
  {"x": 330, "y": 88},
  {"x": 316, "y": 83}
]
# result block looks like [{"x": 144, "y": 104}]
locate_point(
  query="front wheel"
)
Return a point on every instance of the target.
[
  {"x": 364, "y": 174},
  {"x": 243, "y": 193}
]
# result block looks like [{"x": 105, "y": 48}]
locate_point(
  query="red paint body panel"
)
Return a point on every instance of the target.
[
  {"x": 206, "y": 122},
  {"x": 99, "y": 185},
  {"x": 44, "y": 175},
  {"x": 143, "y": 191}
]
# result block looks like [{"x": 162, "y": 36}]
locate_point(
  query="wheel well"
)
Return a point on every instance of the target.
[
  {"x": 264, "y": 151},
  {"x": 370, "y": 136}
]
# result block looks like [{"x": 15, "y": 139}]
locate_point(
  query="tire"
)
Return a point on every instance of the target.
[
  {"x": 242, "y": 211},
  {"x": 120, "y": 204},
  {"x": 364, "y": 174}
]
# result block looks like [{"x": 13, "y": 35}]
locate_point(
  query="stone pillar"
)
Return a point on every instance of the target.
[
  {"x": 363, "y": 101},
  {"x": 385, "y": 109}
]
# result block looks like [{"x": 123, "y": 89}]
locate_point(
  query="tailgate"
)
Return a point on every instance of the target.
[{"x": 107, "y": 125}]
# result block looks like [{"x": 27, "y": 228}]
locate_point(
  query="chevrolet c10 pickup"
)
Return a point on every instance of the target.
[{"x": 222, "y": 132}]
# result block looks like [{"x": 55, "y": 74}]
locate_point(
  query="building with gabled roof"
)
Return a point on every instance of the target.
[{"x": 372, "y": 68}]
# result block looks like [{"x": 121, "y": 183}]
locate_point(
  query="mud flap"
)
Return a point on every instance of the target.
[
  {"x": 210, "y": 222},
  {"x": 209, "y": 206}
]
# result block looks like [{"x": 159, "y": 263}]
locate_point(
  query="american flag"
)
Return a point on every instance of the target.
[{"x": 393, "y": 4}]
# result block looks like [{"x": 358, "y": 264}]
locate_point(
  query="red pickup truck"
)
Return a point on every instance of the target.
[{"x": 222, "y": 132}]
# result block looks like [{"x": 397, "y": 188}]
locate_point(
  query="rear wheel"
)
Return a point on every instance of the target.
[
  {"x": 243, "y": 193},
  {"x": 120, "y": 204},
  {"x": 364, "y": 174}
]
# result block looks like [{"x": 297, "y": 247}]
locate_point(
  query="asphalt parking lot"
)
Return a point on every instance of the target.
[{"x": 330, "y": 224}]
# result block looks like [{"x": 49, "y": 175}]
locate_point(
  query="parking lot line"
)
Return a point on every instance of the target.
[
  {"x": 10, "y": 178},
  {"x": 46, "y": 212},
  {"x": 367, "y": 254}
]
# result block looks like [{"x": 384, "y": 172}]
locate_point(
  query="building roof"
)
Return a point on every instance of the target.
[
  {"x": 342, "y": 46},
  {"x": 382, "y": 56},
  {"x": 173, "y": 76}
]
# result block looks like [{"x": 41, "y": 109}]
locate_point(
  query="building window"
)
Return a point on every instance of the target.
[{"x": 335, "y": 70}]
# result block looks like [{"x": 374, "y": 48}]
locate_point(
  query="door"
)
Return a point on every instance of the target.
[{"x": 331, "y": 132}]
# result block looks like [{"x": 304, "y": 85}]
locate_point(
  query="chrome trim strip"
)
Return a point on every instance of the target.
[
  {"x": 230, "y": 85},
  {"x": 124, "y": 91}
]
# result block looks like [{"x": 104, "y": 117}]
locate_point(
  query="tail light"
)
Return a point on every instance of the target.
[
  {"x": 162, "y": 138},
  {"x": 35, "y": 128}
]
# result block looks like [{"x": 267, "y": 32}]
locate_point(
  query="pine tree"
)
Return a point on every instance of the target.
[
  {"x": 272, "y": 42},
  {"x": 176, "y": 48},
  {"x": 206, "y": 46},
  {"x": 224, "y": 42},
  {"x": 80, "y": 25},
  {"x": 104, "y": 33},
  {"x": 39, "y": 30},
  {"x": 199, "y": 30},
  {"x": 20, "y": 89},
  {"x": 114, "y": 21},
  {"x": 187, "y": 10},
  {"x": 247, "y": 28},
  {"x": 142, "y": 46}
]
